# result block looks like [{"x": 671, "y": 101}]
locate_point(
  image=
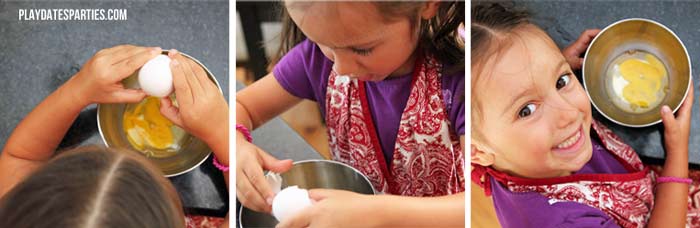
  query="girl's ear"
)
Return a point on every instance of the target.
[
  {"x": 430, "y": 10},
  {"x": 482, "y": 154}
]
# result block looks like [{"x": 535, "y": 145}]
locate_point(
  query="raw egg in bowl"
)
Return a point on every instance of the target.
[
  {"x": 142, "y": 128},
  {"x": 633, "y": 68}
]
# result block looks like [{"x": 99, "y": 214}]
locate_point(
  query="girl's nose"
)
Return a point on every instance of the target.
[
  {"x": 567, "y": 113},
  {"x": 344, "y": 65}
]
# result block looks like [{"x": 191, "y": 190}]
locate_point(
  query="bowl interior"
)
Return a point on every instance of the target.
[
  {"x": 308, "y": 175},
  {"x": 192, "y": 151},
  {"x": 630, "y": 36}
]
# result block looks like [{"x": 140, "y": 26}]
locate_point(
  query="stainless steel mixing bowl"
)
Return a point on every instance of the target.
[
  {"x": 627, "y": 36},
  {"x": 310, "y": 174},
  {"x": 192, "y": 151}
]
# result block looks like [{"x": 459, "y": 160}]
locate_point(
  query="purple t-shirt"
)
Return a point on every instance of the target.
[
  {"x": 304, "y": 72},
  {"x": 531, "y": 209}
]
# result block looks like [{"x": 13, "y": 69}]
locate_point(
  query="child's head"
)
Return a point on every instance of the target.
[
  {"x": 530, "y": 115},
  {"x": 93, "y": 187},
  {"x": 374, "y": 40}
]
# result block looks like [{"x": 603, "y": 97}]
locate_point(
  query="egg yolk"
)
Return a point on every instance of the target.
[
  {"x": 145, "y": 126},
  {"x": 645, "y": 79}
]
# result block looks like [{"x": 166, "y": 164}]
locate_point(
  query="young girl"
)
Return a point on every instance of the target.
[
  {"x": 383, "y": 75},
  {"x": 95, "y": 186},
  {"x": 537, "y": 150}
]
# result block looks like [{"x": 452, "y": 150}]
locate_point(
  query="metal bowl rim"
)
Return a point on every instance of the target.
[
  {"x": 104, "y": 140},
  {"x": 690, "y": 70},
  {"x": 240, "y": 212}
]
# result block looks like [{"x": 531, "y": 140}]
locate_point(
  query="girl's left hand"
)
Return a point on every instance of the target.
[
  {"x": 335, "y": 208},
  {"x": 573, "y": 52}
]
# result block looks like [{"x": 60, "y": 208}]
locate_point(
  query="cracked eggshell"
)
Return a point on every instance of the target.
[{"x": 290, "y": 201}]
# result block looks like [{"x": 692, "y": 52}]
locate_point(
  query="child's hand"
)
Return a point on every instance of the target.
[
  {"x": 334, "y": 208},
  {"x": 677, "y": 129},
  {"x": 203, "y": 111},
  {"x": 99, "y": 81},
  {"x": 573, "y": 52},
  {"x": 252, "y": 188}
]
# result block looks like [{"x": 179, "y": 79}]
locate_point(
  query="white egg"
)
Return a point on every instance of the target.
[
  {"x": 290, "y": 201},
  {"x": 155, "y": 77}
]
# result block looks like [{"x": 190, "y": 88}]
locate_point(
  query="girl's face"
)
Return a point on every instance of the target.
[
  {"x": 536, "y": 116},
  {"x": 357, "y": 39}
]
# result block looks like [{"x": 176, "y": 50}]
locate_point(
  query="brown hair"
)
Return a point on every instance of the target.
[
  {"x": 438, "y": 35},
  {"x": 492, "y": 26},
  {"x": 93, "y": 187}
]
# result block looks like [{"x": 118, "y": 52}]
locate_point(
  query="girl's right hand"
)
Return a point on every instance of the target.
[
  {"x": 573, "y": 52},
  {"x": 252, "y": 188},
  {"x": 99, "y": 80},
  {"x": 677, "y": 129}
]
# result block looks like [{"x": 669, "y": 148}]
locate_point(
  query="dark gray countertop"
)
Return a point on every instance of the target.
[
  {"x": 38, "y": 56},
  {"x": 564, "y": 21}
]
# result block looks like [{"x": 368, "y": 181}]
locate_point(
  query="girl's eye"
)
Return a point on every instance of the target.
[
  {"x": 364, "y": 52},
  {"x": 527, "y": 110},
  {"x": 563, "y": 81}
]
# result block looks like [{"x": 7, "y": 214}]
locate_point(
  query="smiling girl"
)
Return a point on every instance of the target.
[{"x": 537, "y": 150}]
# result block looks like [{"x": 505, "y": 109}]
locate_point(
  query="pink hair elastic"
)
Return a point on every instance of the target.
[
  {"x": 673, "y": 180},
  {"x": 244, "y": 130}
]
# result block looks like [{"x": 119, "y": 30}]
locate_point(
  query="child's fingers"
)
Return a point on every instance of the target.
[
  {"x": 320, "y": 194},
  {"x": 172, "y": 53},
  {"x": 248, "y": 196},
  {"x": 182, "y": 89},
  {"x": 125, "y": 53},
  {"x": 202, "y": 78},
  {"x": 670, "y": 122},
  {"x": 588, "y": 35},
  {"x": 686, "y": 108},
  {"x": 581, "y": 44},
  {"x": 190, "y": 76},
  {"x": 300, "y": 219},
  {"x": 170, "y": 112},
  {"x": 112, "y": 50},
  {"x": 580, "y": 62},
  {"x": 273, "y": 164},
  {"x": 128, "y": 96},
  {"x": 255, "y": 175},
  {"x": 133, "y": 63}
]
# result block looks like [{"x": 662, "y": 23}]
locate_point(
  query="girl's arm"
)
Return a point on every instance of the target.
[
  {"x": 202, "y": 111},
  {"x": 334, "y": 208},
  {"x": 36, "y": 137},
  {"x": 262, "y": 101},
  {"x": 443, "y": 211},
  {"x": 671, "y": 199},
  {"x": 255, "y": 105}
]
